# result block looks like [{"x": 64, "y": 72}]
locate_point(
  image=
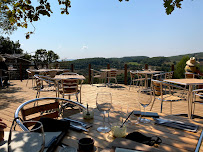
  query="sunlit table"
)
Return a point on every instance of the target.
[
  {"x": 172, "y": 139},
  {"x": 191, "y": 83}
]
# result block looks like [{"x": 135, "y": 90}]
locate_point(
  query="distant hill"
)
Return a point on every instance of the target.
[{"x": 198, "y": 56}]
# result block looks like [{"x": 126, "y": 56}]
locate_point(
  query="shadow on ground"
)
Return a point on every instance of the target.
[{"x": 6, "y": 100}]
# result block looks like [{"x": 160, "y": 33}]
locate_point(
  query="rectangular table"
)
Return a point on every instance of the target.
[
  {"x": 191, "y": 83},
  {"x": 172, "y": 139}
]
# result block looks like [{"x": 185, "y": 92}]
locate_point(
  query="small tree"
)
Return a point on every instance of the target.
[
  {"x": 42, "y": 56},
  {"x": 9, "y": 47},
  {"x": 180, "y": 68}
]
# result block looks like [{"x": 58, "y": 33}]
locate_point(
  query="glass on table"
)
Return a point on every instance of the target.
[
  {"x": 31, "y": 140},
  {"x": 132, "y": 109},
  {"x": 144, "y": 98},
  {"x": 104, "y": 104}
]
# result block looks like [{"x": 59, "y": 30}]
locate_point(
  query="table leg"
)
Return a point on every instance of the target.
[
  {"x": 57, "y": 89},
  {"x": 190, "y": 101}
]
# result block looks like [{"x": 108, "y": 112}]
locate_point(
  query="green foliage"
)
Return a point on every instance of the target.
[
  {"x": 9, "y": 47},
  {"x": 43, "y": 56},
  {"x": 27, "y": 56},
  {"x": 156, "y": 61},
  {"x": 180, "y": 68},
  {"x": 170, "y": 5},
  {"x": 133, "y": 63},
  {"x": 198, "y": 56}
]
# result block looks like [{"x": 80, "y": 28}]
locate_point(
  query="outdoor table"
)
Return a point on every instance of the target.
[
  {"x": 46, "y": 70},
  {"x": 148, "y": 72},
  {"x": 172, "y": 139},
  {"x": 191, "y": 83},
  {"x": 58, "y": 78}
]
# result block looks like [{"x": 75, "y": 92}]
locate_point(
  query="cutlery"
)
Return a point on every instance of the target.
[
  {"x": 78, "y": 122},
  {"x": 78, "y": 128},
  {"x": 176, "y": 124}
]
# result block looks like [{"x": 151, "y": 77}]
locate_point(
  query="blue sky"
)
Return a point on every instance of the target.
[{"x": 109, "y": 28}]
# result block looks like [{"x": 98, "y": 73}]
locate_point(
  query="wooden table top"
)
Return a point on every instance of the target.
[
  {"x": 149, "y": 72},
  {"x": 185, "y": 81},
  {"x": 107, "y": 70},
  {"x": 46, "y": 70},
  {"x": 60, "y": 77},
  {"x": 172, "y": 139}
]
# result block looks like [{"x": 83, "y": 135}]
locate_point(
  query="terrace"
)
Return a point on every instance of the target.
[{"x": 18, "y": 92}]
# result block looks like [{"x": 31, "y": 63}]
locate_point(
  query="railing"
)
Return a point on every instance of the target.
[{"x": 23, "y": 75}]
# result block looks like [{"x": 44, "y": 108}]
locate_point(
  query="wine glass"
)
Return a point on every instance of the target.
[
  {"x": 104, "y": 104},
  {"x": 144, "y": 98},
  {"x": 135, "y": 110},
  {"x": 31, "y": 140}
]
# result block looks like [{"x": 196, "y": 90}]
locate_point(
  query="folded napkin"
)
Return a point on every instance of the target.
[
  {"x": 177, "y": 124},
  {"x": 138, "y": 137},
  {"x": 53, "y": 125}
]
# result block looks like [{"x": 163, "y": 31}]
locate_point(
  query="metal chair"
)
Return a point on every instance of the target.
[
  {"x": 2, "y": 77},
  {"x": 97, "y": 75},
  {"x": 190, "y": 75},
  {"x": 164, "y": 95},
  {"x": 40, "y": 79},
  {"x": 112, "y": 75},
  {"x": 30, "y": 76},
  {"x": 70, "y": 87},
  {"x": 40, "y": 111},
  {"x": 197, "y": 98},
  {"x": 169, "y": 75},
  {"x": 52, "y": 74},
  {"x": 136, "y": 78}
]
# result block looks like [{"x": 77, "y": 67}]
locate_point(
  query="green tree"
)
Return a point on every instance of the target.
[
  {"x": 5, "y": 25},
  {"x": 9, "y": 47},
  {"x": 42, "y": 56},
  {"x": 21, "y": 12},
  {"x": 180, "y": 68}
]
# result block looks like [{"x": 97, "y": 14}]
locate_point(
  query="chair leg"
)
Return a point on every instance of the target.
[
  {"x": 152, "y": 104},
  {"x": 27, "y": 82},
  {"x": 80, "y": 98},
  {"x": 76, "y": 97},
  {"x": 171, "y": 107},
  {"x": 116, "y": 81},
  {"x": 130, "y": 84},
  {"x": 161, "y": 106},
  {"x": 193, "y": 112}
]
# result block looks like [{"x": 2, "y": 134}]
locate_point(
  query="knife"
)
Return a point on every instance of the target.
[
  {"x": 77, "y": 128},
  {"x": 78, "y": 122},
  {"x": 176, "y": 124}
]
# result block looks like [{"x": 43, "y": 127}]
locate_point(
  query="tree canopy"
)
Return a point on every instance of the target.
[
  {"x": 19, "y": 13},
  {"x": 43, "y": 56},
  {"x": 9, "y": 47}
]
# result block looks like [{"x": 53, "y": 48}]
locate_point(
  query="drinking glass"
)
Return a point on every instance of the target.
[
  {"x": 133, "y": 119},
  {"x": 32, "y": 140},
  {"x": 144, "y": 98},
  {"x": 104, "y": 104}
]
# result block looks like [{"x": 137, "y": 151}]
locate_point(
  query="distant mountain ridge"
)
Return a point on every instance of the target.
[{"x": 198, "y": 55}]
